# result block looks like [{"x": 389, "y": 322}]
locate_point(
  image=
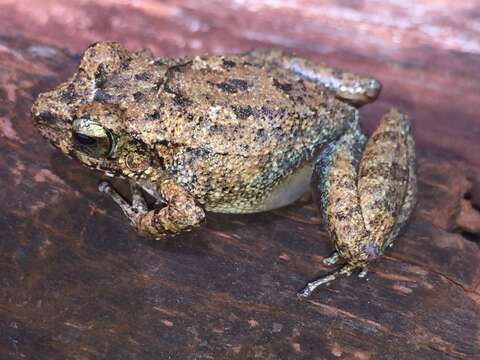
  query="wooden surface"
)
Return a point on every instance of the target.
[{"x": 78, "y": 283}]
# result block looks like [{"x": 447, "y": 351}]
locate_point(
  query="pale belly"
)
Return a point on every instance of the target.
[{"x": 285, "y": 193}]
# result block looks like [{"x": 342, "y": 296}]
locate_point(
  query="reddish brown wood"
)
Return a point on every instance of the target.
[{"x": 77, "y": 282}]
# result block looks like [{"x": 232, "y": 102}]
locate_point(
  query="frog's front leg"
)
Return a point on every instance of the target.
[
  {"x": 353, "y": 88},
  {"x": 181, "y": 213}
]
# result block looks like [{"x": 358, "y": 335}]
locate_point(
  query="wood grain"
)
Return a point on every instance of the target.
[{"x": 78, "y": 283}]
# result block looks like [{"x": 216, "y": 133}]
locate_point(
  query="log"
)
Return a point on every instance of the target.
[{"x": 78, "y": 283}]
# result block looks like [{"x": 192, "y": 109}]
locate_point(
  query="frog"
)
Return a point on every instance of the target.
[{"x": 238, "y": 133}]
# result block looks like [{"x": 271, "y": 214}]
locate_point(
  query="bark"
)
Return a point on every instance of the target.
[{"x": 78, "y": 283}]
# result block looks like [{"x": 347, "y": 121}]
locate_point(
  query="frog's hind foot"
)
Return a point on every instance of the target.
[
  {"x": 311, "y": 286},
  {"x": 344, "y": 270}
]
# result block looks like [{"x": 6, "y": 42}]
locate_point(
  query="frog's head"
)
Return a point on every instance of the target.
[{"x": 89, "y": 129}]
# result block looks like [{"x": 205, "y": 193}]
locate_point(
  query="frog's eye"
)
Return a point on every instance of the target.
[{"x": 92, "y": 138}]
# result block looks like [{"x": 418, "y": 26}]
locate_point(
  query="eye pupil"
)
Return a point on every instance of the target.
[{"x": 84, "y": 139}]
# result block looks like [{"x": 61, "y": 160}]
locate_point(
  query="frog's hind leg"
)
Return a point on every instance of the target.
[
  {"x": 353, "y": 88},
  {"x": 366, "y": 201},
  {"x": 335, "y": 191}
]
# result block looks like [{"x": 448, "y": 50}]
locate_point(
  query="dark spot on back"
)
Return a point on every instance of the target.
[
  {"x": 144, "y": 76},
  {"x": 270, "y": 113},
  {"x": 244, "y": 147},
  {"x": 101, "y": 96},
  {"x": 197, "y": 152},
  {"x": 228, "y": 64},
  {"x": 286, "y": 87},
  {"x": 125, "y": 65},
  {"x": 233, "y": 85},
  {"x": 216, "y": 129},
  {"x": 261, "y": 134},
  {"x": 101, "y": 75},
  {"x": 138, "y": 96},
  {"x": 69, "y": 94},
  {"x": 45, "y": 116},
  {"x": 181, "y": 100},
  {"x": 243, "y": 112},
  {"x": 152, "y": 116}
]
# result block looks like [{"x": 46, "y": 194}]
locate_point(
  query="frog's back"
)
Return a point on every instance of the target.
[
  {"x": 243, "y": 131},
  {"x": 233, "y": 105}
]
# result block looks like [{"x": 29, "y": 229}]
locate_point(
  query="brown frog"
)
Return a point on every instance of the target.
[{"x": 230, "y": 134}]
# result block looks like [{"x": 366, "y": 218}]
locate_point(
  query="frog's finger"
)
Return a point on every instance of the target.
[
  {"x": 353, "y": 88},
  {"x": 387, "y": 183},
  {"x": 335, "y": 191},
  {"x": 127, "y": 209},
  {"x": 138, "y": 201}
]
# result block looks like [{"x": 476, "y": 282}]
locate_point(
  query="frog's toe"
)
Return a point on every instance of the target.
[
  {"x": 311, "y": 286},
  {"x": 104, "y": 187},
  {"x": 363, "y": 273},
  {"x": 332, "y": 259}
]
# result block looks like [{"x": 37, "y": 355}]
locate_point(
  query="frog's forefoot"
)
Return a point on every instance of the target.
[
  {"x": 132, "y": 211},
  {"x": 179, "y": 214}
]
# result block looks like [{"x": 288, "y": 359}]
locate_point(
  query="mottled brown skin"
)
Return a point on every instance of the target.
[
  {"x": 366, "y": 197},
  {"x": 387, "y": 181},
  {"x": 231, "y": 134}
]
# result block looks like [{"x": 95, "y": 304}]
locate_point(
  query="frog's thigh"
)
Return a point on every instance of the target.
[{"x": 350, "y": 87}]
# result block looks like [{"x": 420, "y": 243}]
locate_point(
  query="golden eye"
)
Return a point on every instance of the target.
[{"x": 92, "y": 138}]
